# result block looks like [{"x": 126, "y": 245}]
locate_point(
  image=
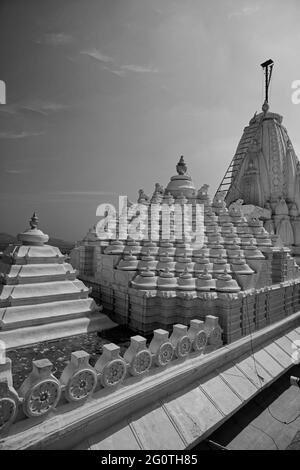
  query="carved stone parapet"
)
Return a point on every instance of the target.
[
  {"x": 79, "y": 379},
  {"x": 161, "y": 347},
  {"x": 40, "y": 390},
  {"x": 111, "y": 366},
  {"x": 197, "y": 335},
  {"x": 181, "y": 341},
  {"x": 138, "y": 357}
]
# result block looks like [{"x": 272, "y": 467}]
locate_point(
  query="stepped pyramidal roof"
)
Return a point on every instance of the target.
[{"x": 40, "y": 295}]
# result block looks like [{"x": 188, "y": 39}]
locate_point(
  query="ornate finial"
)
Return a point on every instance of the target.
[
  {"x": 181, "y": 167},
  {"x": 268, "y": 69},
  {"x": 34, "y": 221}
]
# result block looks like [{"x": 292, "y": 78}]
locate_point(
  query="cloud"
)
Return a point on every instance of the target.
[
  {"x": 97, "y": 55},
  {"x": 44, "y": 108},
  {"x": 110, "y": 64},
  {"x": 41, "y": 107},
  {"x": 245, "y": 11},
  {"x": 56, "y": 39},
  {"x": 19, "y": 135},
  {"x": 139, "y": 68}
]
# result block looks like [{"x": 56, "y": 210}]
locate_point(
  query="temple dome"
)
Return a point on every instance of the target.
[{"x": 181, "y": 184}]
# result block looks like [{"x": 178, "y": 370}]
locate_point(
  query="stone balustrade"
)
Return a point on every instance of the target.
[{"x": 42, "y": 392}]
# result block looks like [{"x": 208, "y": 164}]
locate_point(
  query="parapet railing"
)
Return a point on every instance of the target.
[{"x": 42, "y": 392}]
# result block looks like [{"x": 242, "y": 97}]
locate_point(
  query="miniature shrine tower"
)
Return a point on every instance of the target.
[{"x": 40, "y": 297}]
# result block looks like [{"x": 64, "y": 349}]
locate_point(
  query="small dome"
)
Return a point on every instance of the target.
[
  {"x": 181, "y": 184},
  {"x": 225, "y": 283},
  {"x": 205, "y": 282},
  {"x": 146, "y": 280},
  {"x": 128, "y": 263},
  {"x": 33, "y": 236}
]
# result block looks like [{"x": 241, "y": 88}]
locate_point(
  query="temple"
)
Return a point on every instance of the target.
[
  {"x": 40, "y": 297},
  {"x": 237, "y": 271},
  {"x": 212, "y": 284}
]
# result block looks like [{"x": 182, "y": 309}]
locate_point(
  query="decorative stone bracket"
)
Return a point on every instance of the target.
[
  {"x": 161, "y": 348},
  {"x": 111, "y": 366},
  {"x": 213, "y": 331},
  {"x": 138, "y": 357},
  {"x": 41, "y": 390},
  {"x": 198, "y": 335},
  {"x": 79, "y": 379},
  {"x": 181, "y": 341}
]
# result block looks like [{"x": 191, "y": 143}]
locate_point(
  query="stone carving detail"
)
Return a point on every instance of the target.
[
  {"x": 181, "y": 341},
  {"x": 165, "y": 354},
  {"x": 79, "y": 378},
  {"x": 9, "y": 401},
  {"x": 41, "y": 390},
  {"x": 158, "y": 188},
  {"x": 215, "y": 336},
  {"x": 81, "y": 385},
  {"x": 161, "y": 348},
  {"x": 138, "y": 356},
  {"x": 142, "y": 362},
  {"x": 111, "y": 366},
  {"x": 200, "y": 341},
  {"x": 203, "y": 191},
  {"x": 213, "y": 330},
  {"x": 143, "y": 196},
  {"x": 113, "y": 373},
  {"x": 183, "y": 347},
  {"x": 42, "y": 398},
  {"x": 197, "y": 335}
]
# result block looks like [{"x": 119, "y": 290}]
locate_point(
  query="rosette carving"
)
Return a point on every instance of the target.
[
  {"x": 165, "y": 354},
  {"x": 138, "y": 356},
  {"x": 111, "y": 366},
  {"x": 79, "y": 378},
  {"x": 42, "y": 398},
  {"x": 161, "y": 348},
  {"x": 9, "y": 402},
  {"x": 41, "y": 390},
  {"x": 181, "y": 341}
]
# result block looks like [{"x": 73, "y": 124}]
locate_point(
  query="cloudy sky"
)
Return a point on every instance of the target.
[{"x": 103, "y": 96}]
